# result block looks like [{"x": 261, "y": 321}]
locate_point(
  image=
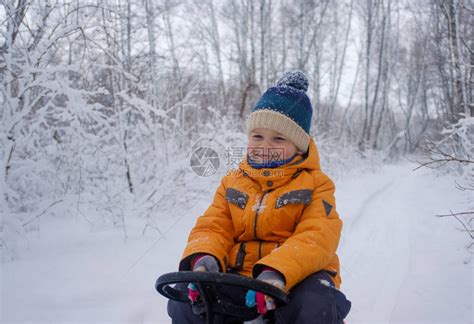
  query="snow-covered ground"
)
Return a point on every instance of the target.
[{"x": 400, "y": 263}]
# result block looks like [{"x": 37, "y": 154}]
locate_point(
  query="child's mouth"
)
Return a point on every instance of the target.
[{"x": 266, "y": 158}]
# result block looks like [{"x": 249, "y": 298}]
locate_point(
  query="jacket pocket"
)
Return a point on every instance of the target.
[
  {"x": 302, "y": 196},
  {"x": 236, "y": 197}
]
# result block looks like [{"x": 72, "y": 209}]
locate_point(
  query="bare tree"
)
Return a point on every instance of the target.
[
  {"x": 452, "y": 11},
  {"x": 240, "y": 17}
]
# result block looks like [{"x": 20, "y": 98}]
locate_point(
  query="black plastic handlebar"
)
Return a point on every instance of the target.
[{"x": 215, "y": 308}]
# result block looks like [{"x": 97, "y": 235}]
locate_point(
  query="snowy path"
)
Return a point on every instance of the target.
[{"x": 400, "y": 264}]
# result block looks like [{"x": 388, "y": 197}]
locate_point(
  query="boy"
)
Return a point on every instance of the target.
[{"x": 274, "y": 218}]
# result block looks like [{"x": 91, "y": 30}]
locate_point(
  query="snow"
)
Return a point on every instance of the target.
[
  {"x": 294, "y": 79},
  {"x": 325, "y": 282},
  {"x": 260, "y": 205},
  {"x": 400, "y": 263}
]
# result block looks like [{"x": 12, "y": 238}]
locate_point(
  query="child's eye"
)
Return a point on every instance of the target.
[
  {"x": 279, "y": 138},
  {"x": 257, "y": 136}
]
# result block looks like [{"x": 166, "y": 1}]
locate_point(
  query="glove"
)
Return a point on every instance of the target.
[
  {"x": 202, "y": 262},
  {"x": 265, "y": 303},
  {"x": 205, "y": 262}
]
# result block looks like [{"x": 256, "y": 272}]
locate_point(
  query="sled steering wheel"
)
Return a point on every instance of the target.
[{"x": 217, "y": 310}]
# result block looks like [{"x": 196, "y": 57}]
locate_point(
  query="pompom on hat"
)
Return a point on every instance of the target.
[{"x": 285, "y": 108}]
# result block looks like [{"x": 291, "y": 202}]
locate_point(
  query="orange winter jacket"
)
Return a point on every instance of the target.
[{"x": 284, "y": 218}]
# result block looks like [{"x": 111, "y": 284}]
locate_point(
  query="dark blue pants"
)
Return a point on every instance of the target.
[{"x": 311, "y": 301}]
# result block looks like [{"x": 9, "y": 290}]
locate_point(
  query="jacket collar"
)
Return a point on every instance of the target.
[{"x": 270, "y": 178}]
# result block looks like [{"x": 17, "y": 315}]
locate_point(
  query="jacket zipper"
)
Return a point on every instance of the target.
[{"x": 257, "y": 213}]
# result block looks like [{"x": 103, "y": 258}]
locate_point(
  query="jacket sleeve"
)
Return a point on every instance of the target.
[
  {"x": 213, "y": 233},
  {"x": 313, "y": 244}
]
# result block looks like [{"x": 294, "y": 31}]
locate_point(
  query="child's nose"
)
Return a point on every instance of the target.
[{"x": 266, "y": 145}]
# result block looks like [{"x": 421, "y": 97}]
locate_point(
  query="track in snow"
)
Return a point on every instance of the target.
[{"x": 394, "y": 267}]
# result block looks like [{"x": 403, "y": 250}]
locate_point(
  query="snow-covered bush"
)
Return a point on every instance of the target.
[{"x": 454, "y": 152}]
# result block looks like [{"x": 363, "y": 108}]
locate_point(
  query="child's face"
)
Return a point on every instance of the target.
[{"x": 266, "y": 145}]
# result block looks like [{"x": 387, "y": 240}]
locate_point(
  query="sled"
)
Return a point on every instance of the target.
[{"x": 216, "y": 309}]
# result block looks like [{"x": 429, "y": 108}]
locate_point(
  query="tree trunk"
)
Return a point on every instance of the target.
[
  {"x": 379, "y": 73},
  {"x": 458, "y": 91}
]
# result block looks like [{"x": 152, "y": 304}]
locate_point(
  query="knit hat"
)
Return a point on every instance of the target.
[{"x": 285, "y": 108}]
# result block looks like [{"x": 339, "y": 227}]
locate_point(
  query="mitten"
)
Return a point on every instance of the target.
[
  {"x": 205, "y": 262},
  {"x": 265, "y": 303},
  {"x": 202, "y": 262}
]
